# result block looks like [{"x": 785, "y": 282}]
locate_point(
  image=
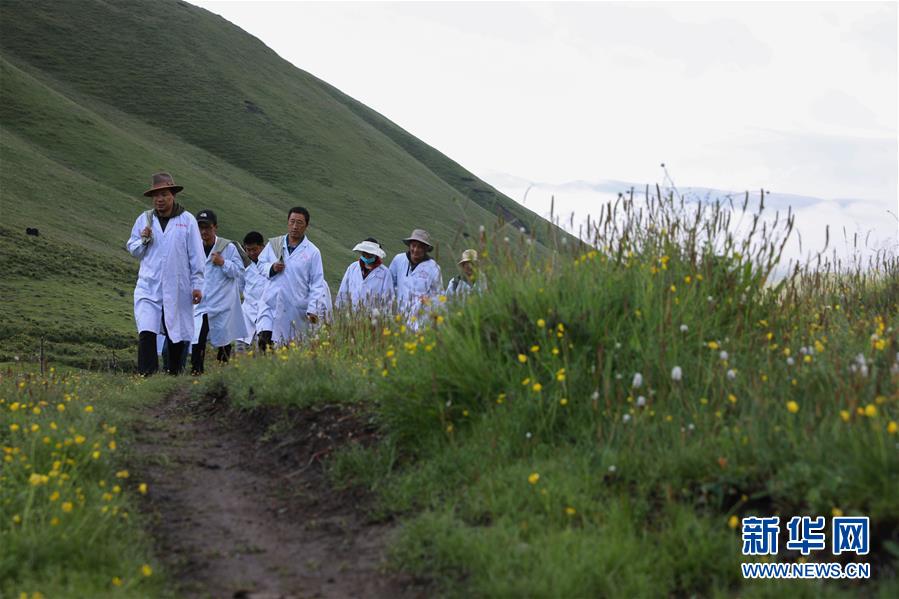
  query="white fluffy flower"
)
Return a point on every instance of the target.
[
  {"x": 641, "y": 401},
  {"x": 638, "y": 380},
  {"x": 723, "y": 355},
  {"x": 676, "y": 374},
  {"x": 684, "y": 328},
  {"x": 481, "y": 229},
  {"x": 595, "y": 395},
  {"x": 612, "y": 468},
  {"x": 731, "y": 374},
  {"x": 790, "y": 361},
  {"x": 626, "y": 418}
]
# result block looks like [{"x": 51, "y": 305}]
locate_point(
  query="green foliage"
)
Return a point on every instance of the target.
[
  {"x": 67, "y": 524},
  {"x": 527, "y": 460}
]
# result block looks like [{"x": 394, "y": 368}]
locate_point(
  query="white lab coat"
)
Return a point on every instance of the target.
[
  {"x": 221, "y": 300},
  {"x": 171, "y": 267},
  {"x": 374, "y": 291},
  {"x": 414, "y": 287},
  {"x": 460, "y": 287},
  {"x": 254, "y": 284},
  {"x": 325, "y": 306},
  {"x": 293, "y": 293}
]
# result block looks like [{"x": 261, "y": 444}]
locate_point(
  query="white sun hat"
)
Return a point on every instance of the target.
[{"x": 370, "y": 247}]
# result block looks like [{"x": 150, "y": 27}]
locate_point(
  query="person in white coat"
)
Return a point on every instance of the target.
[
  {"x": 167, "y": 242},
  {"x": 218, "y": 318},
  {"x": 470, "y": 280},
  {"x": 417, "y": 277},
  {"x": 253, "y": 285},
  {"x": 296, "y": 282},
  {"x": 367, "y": 283}
]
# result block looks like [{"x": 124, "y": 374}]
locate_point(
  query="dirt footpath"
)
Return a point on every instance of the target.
[{"x": 234, "y": 516}]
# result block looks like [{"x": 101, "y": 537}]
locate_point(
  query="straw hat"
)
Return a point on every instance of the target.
[
  {"x": 370, "y": 247},
  {"x": 422, "y": 236},
  {"x": 469, "y": 256},
  {"x": 162, "y": 181}
]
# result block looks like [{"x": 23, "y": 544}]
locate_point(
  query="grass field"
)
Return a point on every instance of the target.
[
  {"x": 601, "y": 425},
  {"x": 68, "y": 523}
]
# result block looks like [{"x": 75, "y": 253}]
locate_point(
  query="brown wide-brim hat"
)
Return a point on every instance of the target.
[
  {"x": 422, "y": 236},
  {"x": 162, "y": 181}
]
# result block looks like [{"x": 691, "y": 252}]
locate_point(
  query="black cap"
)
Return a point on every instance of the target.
[{"x": 207, "y": 216}]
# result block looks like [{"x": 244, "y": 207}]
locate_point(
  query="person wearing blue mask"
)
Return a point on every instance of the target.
[{"x": 366, "y": 283}]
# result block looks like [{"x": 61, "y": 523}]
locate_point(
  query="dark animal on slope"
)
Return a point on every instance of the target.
[{"x": 31, "y": 231}]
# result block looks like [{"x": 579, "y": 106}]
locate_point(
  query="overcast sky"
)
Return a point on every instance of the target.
[{"x": 798, "y": 98}]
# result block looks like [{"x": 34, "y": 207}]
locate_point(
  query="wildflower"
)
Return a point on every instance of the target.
[
  {"x": 892, "y": 427},
  {"x": 638, "y": 380},
  {"x": 792, "y": 407},
  {"x": 116, "y": 581},
  {"x": 533, "y": 478},
  {"x": 641, "y": 401},
  {"x": 146, "y": 570},
  {"x": 684, "y": 328},
  {"x": 522, "y": 358},
  {"x": 564, "y": 402},
  {"x": 526, "y": 382},
  {"x": 595, "y": 395},
  {"x": 449, "y": 428},
  {"x": 89, "y": 409},
  {"x": 612, "y": 468},
  {"x": 54, "y": 495},
  {"x": 844, "y": 415},
  {"x": 732, "y": 398},
  {"x": 36, "y": 480},
  {"x": 534, "y": 349},
  {"x": 870, "y": 410},
  {"x": 528, "y": 435},
  {"x": 67, "y": 506},
  {"x": 555, "y": 351},
  {"x": 95, "y": 455},
  {"x": 713, "y": 345},
  {"x": 790, "y": 361},
  {"x": 142, "y": 488},
  {"x": 676, "y": 374},
  {"x": 570, "y": 511},
  {"x": 731, "y": 374},
  {"x": 723, "y": 355},
  {"x": 541, "y": 323},
  {"x": 626, "y": 418},
  {"x": 537, "y": 388},
  {"x": 733, "y": 522},
  {"x": 560, "y": 376}
]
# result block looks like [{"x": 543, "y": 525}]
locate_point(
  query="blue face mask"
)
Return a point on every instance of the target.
[{"x": 368, "y": 260}]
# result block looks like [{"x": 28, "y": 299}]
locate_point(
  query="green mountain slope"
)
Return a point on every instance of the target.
[{"x": 96, "y": 95}]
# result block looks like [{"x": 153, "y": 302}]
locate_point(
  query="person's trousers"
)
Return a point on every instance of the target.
[
  {"x": 198, "y": 354},
  {"x": 147, "y": 358},
  {"x": 264, "y": 340}
]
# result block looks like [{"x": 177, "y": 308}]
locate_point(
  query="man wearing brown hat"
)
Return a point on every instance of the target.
[
  {"x": 167, "y": 242},
  {"x": 417, "y": 277}
]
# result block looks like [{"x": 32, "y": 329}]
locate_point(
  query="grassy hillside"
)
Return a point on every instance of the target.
[{"x": 97, "y": 95}]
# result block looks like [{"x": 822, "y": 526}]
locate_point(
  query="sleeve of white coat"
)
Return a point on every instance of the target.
[
  {"x": 388, "y": 291},
  {"x": 195, "y": 255},
  {"x": 135, "y": 244},
  {"x": 233, "y": 266},
  {"x": 394, "y": 269},
  {"x": 343, "y": 292},
  {"x": 316, "y": 282},
  {"x": 266, "y": 260},
  {"x": 437, "y": 283}
]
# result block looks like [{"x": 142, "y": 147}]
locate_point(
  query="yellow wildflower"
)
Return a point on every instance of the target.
[
  {"x": 533, "y": 478},
  {"x": 792, "y": 407}
]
